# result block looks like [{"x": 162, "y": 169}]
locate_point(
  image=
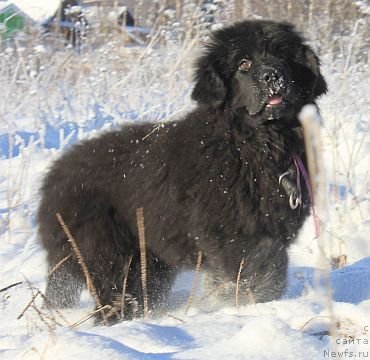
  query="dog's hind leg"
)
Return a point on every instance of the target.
[
  {"x": 111, "y": 252},
  {"x": 65, "y": 281},
  {"x": 105, "y": 246}
]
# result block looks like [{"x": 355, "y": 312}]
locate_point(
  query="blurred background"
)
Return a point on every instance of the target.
[{"x": 325, "y": 21}]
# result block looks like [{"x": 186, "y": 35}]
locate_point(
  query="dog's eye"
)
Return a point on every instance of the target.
[{"x": 245, "y": 65}]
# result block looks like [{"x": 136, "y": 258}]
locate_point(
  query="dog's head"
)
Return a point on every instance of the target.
[{"x": 261, "y": 67}]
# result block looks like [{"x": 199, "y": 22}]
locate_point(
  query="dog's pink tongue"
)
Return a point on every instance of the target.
[{"x": 274, "y": 100}]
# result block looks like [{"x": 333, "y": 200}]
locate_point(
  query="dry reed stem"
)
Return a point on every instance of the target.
[
  {"x": 141, "y": 230},
  {"x": 60, "y": 263},
  {"x": 238, "y": 284},
  {"x": 81, "y": 261},
  {"x": 124, "y": 286},
  {"x": 90, "y": 315},
  {"x": 195, "y": 281}
]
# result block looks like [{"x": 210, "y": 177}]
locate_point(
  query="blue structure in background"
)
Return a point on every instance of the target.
[
  {"x": 50, "y": 140},
  {"x": 49, "y": 136}
]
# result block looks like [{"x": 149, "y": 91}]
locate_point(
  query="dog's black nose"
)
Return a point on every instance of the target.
[{"x": 270, "y": 75}]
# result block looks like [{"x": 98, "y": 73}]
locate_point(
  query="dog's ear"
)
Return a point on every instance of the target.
[
  {"x": 210, "y": 89},
  {"x": 321, "y": 86},
  {"x": 313, "y": 64}
]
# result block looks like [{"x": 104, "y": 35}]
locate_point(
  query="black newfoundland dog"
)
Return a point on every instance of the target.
[{"x": 208, "y": 182}]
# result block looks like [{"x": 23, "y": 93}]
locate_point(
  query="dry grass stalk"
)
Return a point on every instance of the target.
[
  {"x": 51, "y": 327},
  {"x": 35, "y": 293},
  {"x": 195, "y": 281},
  {"x": 176, "y": 318},
  {"x": 251, "y": 297},
  {"x": 34, "y": 296},
  {"x": 90, "y": 315},
  {"x": 55, "y": 310},
  {"x": 59, "y": 264},
  {"x": 313, "y": 319},
  {"x": 10, "y": 286},
  {"x": 141, "y": 230},
  {"x": 81, "y": 261},
  {"x": 124, "y": 286},
  {"x": 238, "y": 284}
]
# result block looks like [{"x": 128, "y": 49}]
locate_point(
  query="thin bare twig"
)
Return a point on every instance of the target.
[
  {"x": 36, "y": 292},
  {"x": 10, "y": 286},
  {"x": 90, "y": 315},
  {"x": 238, "y": 284},
  {"x": 311, "y": 122},
  {"x": 141, "y": 230},
  {"x": 124, "y": 286},
  {"x": 155, "y": 128},
  {"x": 176, "y": 318},
  {"x": 46, "y": 301},
  {"x": 312, "y": 319},
  {"x": 42, "y": 318},
  {"x": 251, "y": 297},
  {"x": 195, "y": 281},
  {"x": 89, "y": 283},
  {"x": 60, "y": 263},
  {"x": 28, "y": 305}
]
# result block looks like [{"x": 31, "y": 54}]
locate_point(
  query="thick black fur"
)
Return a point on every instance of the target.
[{"x": 208, "y": 182}]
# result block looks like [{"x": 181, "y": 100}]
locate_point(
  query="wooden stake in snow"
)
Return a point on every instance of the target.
[{"x": 141, "y": 230}]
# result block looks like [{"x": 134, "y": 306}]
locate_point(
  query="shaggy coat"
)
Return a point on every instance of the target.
[{"x": 208, "y": 182}]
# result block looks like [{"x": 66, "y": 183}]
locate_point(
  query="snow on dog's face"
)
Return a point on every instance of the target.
[{"x": 260, "y": 67}]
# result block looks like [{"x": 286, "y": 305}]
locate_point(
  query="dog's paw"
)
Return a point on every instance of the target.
[{"x": 118, "y": 311}]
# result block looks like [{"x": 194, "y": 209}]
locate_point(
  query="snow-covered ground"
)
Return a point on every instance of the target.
[{"x": 56, "y": 99}]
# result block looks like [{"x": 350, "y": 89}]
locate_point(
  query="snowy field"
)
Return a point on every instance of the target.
[{"x": 52, "y": 98}]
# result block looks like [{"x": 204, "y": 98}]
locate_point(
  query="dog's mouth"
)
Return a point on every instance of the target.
[
  {"x": 274, "y": 100},
  {"x": 270, "y": 103}
]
